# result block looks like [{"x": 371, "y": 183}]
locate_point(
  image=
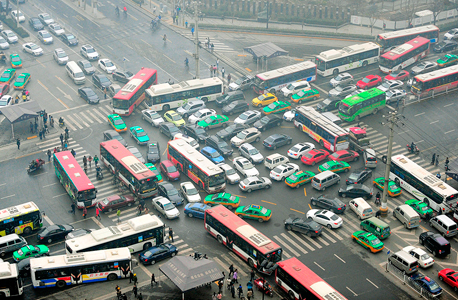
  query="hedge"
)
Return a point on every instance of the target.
[
  {"x": 448, "y": 26},
  {"x": 297, "y": 19},
  {"x": 13, "y": 25},
  {"x": 227, "y": 14},
  {"x": 139, "y": 1}
]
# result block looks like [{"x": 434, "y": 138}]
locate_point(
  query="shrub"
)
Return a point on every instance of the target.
[
  {"x": 228, "y": 14},
  {"x": 13, "y": 25},
  {"x": 299, "y": 19},
  {"x": 448, "y": 26},
  {"x": 139, "y": 1}
]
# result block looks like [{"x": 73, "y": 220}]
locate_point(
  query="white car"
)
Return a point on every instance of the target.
[
  {"x": 325, "y": 217},
  {"x": 189, "y": 192},
  {"x": 14, "y": 14},
  {"x": 392, "y": 96},
  {"x": 6, "y": 100},
  {"x": 249, "y": 151},
  {"x": 191, "y": 141},
  {"x": 32, "y": 49},
  {"x": 279, "y": 173},
  {"x": 424, "y": 260},
  {"x": 10, "y": 36},
  {"x": 201, "y": 115},
  {"x": 246, "y": 136},
  {"x": 152, "y": 116},
  {"x": 60, "y": 56},
  {"x": 451, "y": 34},
  {"x": 245, "y": 167},
  {"x": 89, "y": 52},
  {"x": 248, "y": 117},
  {"x": 3, "y": 43},
  {"x": 289, "y": 115},
  {"x": 56, "y": 29},
  {"x": 45, "y": 19},
  {"x": 297, "y": 150},
  {"x": 165, "y": 207},
  {"x": 45, "y": 37},
  {"x": 390, "y": 84},
  {"x": 232, "y": 176},
  {"x": 341, "y": 79},
  {"x": 106, "y": 65}
]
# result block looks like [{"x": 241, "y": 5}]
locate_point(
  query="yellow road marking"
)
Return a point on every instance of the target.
[
  {"x": 249, "y": 70},
  {"x": 310, "y": 206},
  {"x": 268, "y": 202},
  {"x": 298, "y": 211},
  {"x": 239, "y": 196},
  {"x": 29, "y": 154},
  {"x": 299, "y": 59},
  {"x": 40, "y": 63},
  {"x": 244, "y": 55},
  {"x": 305, "y": 193},
  {"x": 31, "y": 137}
]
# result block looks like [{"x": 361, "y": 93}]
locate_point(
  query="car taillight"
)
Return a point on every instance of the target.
[
  {"x": 295, "y": 154},
  {"x": 316, "y": 231},
  {"x": 339, "y": 208},
  {"x": 277, "y": 175},
  {"x": 336, "y": 223},
  {"x": 41, "y": 237},
  {"x": 244, "y": 186}
]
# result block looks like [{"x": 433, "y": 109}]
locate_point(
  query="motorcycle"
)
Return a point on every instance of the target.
[
  {"x": 35, "y": 165},
  {"x": 61, "y": 123},
  {"x": 99, "y": 173},
  {"x": 263, "y": 286},
  {"x": 414, "y": 151}
]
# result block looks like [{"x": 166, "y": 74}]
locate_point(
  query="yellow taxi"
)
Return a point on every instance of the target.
[{"x": 264, "y": 99}]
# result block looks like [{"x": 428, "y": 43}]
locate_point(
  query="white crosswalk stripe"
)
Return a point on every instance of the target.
[{"x": 72, "y": 122}]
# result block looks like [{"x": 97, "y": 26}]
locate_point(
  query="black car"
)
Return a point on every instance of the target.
[
  {"x": 69, "y": 39},
  {"x": 235, "y": 107},
  {"x": 169, "y": 129},
  {"x": 359, "y": 176},
  {"x": 167, "y": 190},
  {"x": 196, "y": 132},
  {"x": 88, "y": 94},
  {"x": 277, "y": 140},
  {"x": 267, "y": 122},
  {"x": 157, "y": 253},
  {"x": 229, "y": 97},
  {"x": 113, "y": 135},
  {"x": 122, "y": 76},
  {"x": 335, "y": 205},
  {"x": 435, "y": 243},
  {"x": 445, "y": 46},
  {"x": 328, "y": 104},
  {"x": 24, "y": 267},
  {"x": 231, "y": 131},
  {"x": 304, "y": 226},
  {"x": 101, "y": 81},
  {"x": 53, "y": 233},
  {"x": 36, "y": 24},
  {"x": 356, "y": 190},
  {"x": 153, "y": 154},
  {"x": 219, "y": 145},
  {"x": 86, "y": 66}
]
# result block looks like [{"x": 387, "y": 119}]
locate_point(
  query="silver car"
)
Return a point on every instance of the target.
[
  {"x": 423, "y": 67},
  {"x": 231, "y": 175},
  {"x": 190, "y": 107},
  {"x": 390, "y": 85},
  {"x": 60, "y": 56},
  {"x": 250, "y": 152},
  {"x": 136, "y": 153},
  {"x": 113, "y": 89},
  {"x": 151, "y": 116},
  {"x": 246, "y": 136},
  {"x": 395, "y": 95},
  {"x": 343, "y": 79},
  {"x": 241, "y": 83},
  {"x": 255, "y": 183},
  {"x": 342, "y": 91},
  {"x": 4, "y": 44},
  {"x": 248, "y": 117}
]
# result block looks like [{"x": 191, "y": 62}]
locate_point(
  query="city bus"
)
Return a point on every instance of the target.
[
  {"x": 88, "y": 267},
  {"x": 22, "y": 218},
  {"x": 422, "y": 184},
  {"x": 137, "y": 234},
  {"x": 368, "y": 102},
  {"x": 387, "y": 40},
  {"x": 167, "y": 96},
  {"x": 197, "y": 167},
  {"x": 10, "y": 281},
  {"x": 432, "y": 83},
  {"x": 274, "y": 80},
  {"x": 299, "y": 282},
  {"x": 328, "y": 134},
  {"x": 75, "y": 182},
  {"x": 333, "y": 62},
  {"x": 405, "y": 55},
  {"x": 244, "y": 240},
  {"x": 133, "y": 93},
  {"x": 128, "y": 169}
]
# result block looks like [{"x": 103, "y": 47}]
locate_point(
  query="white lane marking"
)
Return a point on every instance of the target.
[
  {"x": 447, "y": 132},
  {"x": 340, "y": 258},
  {"x": 72, "y": 121},
  {"x": 351, "y": 291},
  {"x": 8, "y": 196},
  {"x": 319, "y": 266},
  {"x": 294, "y": 243},
  {"x": 48, "y": 220},
  {"x": 419, "y": 114},
  {"x": 372, "y": 282},
  {"x": 287, "y": 246},
  {"x": 92, "y": 115}
]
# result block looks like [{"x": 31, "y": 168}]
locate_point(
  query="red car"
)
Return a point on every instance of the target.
[
  {"x": 399, "y": 75},
  {"x": 4, "y": 88},
  {"x": 314, "y": 156},
  {"x": 344, "y": 155},
  {"x": 169, "y": 170},
  {"x": 369, "y": 81},
  {"x": 450, "y": 277},
  {"x": 114, "y": 202}
]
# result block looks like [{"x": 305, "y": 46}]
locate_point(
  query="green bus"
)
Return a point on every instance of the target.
[{"x": 362, "y": 104}]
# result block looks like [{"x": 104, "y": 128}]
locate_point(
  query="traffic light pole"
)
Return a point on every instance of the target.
[
  {"x": 392, "y": 119},
  {"x": 196, "y": 55}
]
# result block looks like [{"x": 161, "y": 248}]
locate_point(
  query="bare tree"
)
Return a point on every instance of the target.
[
  {"x": 410, "y": 8},
  {"x": 372, "y": 12},
  {"x": 437, "y": 7}
]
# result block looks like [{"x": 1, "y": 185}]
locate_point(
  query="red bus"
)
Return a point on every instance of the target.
[
  {"x": 405, "y": 55},
  {"x": 248, "y": 243},
  {"x": 128, "y": 169},
  {"x": 133, "y": 93},
  {"x": 75, "y": 182},
  {"x": 432, "y": 83},
  {"x": 387, "y": 40},
  {"x": 300, "y": 282}
]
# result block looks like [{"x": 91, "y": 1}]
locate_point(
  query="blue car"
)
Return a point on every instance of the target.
[
  {"x": 195, "y": 210},
  {"x": 212, "y": 155},
  {"x": 427, "y": 283},
  {"x": 157, "y": 253}
]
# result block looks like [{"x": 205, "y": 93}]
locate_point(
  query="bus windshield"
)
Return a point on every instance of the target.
[
  {"x": 85, "y": 195},
  {"x": 320, "y": 64},
  {"x": 119, "y": 103},
  {"x": 216, "y": 180}
]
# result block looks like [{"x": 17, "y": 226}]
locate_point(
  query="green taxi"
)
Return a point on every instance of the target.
[
  {"x": 368, "y": 241},
  {"x": 156, "y": 172},
  {"x": 117, "y": 123},
  {"x": 174, "y": 118},
  {"x": 420, "y": 207},
  {"x": 447, "y": 60},
  {"x": 305, "y": 95},
  {"x": 16, "y": 61},
  {"x": 334, "y": 166},
  {"x": 214, "y": 122},
  {"x": 139, "y": 135},
  {"x": 254, "y": 211},
  {"x": 30, "y": 251},
  {"x": 21, "y": 81},
  {"x": 297, "y": 179},
  {"x": 276, "y": 107},
  {"x": 393, "y": 189},
  {"x": 226, "y": 199},
  {"x": 7, "y": 75}
]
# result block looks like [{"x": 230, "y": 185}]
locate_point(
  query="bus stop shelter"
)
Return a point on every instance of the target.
[
  {"x": 265, "y": 51},
  {"x": 21, "y": 112}
]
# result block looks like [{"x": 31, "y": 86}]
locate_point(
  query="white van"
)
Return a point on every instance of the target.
[
  {"x": 323, "y": 180},
  {"x": 445, "y": 225},
  {"x": 407, "y": 216},
  {"x": 295, "y": 87},
  {"x": 274, "y": 160},
  {"x": 75, "y": 73},
  {"x": 10, "y": 243},
  {"x": 370, "y": 159},
  {"x": 361, "y": 208}
]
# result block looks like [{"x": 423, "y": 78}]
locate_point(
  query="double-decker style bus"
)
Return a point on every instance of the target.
[
  {"x": 328, "y": 134},
  {"x": 75, "y": 182},
  {"x": 94, "y": 266},
  {"x": 10, "y": 281},
  {"x": 333, "y": 61},
  {"x": 435, "y": 82},
  {"x": 196, "y": 166},
  {"x": 387, "y": 40},
  {"x": 422, "y": 184},
  {"x": 137, "y": 234},
  {"x": 243, "y": 239},
  {"x": 165, "y": 96},
  {"x": 133, "y": 93},
  {"x": 405, "y": 55},
  {"x": 274, "y": 80},
  {"x": 128, "y": 169},
  {"x": 368, "y": 102},
  {"x": 22, "y": 218},
  {"x": 299, "y": 282}
]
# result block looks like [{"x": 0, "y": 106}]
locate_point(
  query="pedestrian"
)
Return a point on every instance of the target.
[
  {"x": 384, "y": 26},
  {"x": 31, "y": 127},
  {"x": 219, "y": 296},
  {"x": 51, "y": 121},
  {"x": 97, "y": 213},
  {"x": 18, "y": 143},
  {"x": 214, "y": 296},
  {"x": 89, "y": 160},
  {"x": 84, "y": 212},
  {"x": 96, "y": 160},
  {"x": 249, "y": 286},
  {"x": 105, "y": 90},
  {"x": 40, "y": 134},
  {"x": 55, "y": 150},
  {"x": 131, "y": 276},
  {"x": 140, "y": 296},
  {"x": 252, "y": 274},
  {"x": 186, "y": 24},
  {"x": 233, "y": 291},
  {"x": 446, "y": 164},
  {"x": 171, "y": 234},
  {"x": 85, "y": 168},
  {"x": 36, "y": 126},
  {"x": 134, "y": 290},
  {"x": 378, "y": 214},
  {"x": 240, "y": 290},
  {"x": 135, "y": 279},
  {"x": 211, "y": 70},
  {"x": 118, "y": 213},
  {"x": 73, "y": 208},
  {"x": 61, "y": 139},
  {"x": 139, "y": 207},
  {"x": 397, "y": 103},
  {"x": 433, "y": 160},
  {"x": 217, "y": 60},
  {"x": 235, "y": 276},
  {"x": 84, "y": 159},
  {"x": 66, "y": 133},
  {"x": 223, "y": 71},
  {"x": 64, "y": 147},
  {"x": 437, "y": 160},
  {"x": 192, "y": 31},
  {"x": 153, "y": 279},
  {"x": 231, "y": 270},
  {"x": 438, "y": 175},
  {"x": 215, "y": 70},
  {"x": 118, "y": 289},
  {"x": 212, "y": 47},
  {"x": 49, "y": 155},
  {"x": 229, "y": 79},
  {"x": 44, "y": 132},
  {"x": 249, "y": 294}
]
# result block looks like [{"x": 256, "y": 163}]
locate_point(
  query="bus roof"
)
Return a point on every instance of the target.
[
  {"x": 8, "y": 270},
  {"x": 132, "y": 86},
  {"x": 74, "y": 170},
  {"x": 166, "y": 88},
  {"x": 321, "y": 120},
  {"x": 17, "y": 210},
  {"x": 355, "y": 99},
  {"x": 346, "y": 51},
  {"x": 437, "y": 74},
  {"x": 286, "y": 70},
  {"x": 194, "y": 156},
  {"x": 127, "y": 159},
  {"x": 309, "y": 279},
  {"x": 406, "y": 48},
  {"x": 410, "y": 31},
  {"x": 243, "y": 229}
]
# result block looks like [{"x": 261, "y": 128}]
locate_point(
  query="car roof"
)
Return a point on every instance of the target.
[
  {"x": 162, "y": 200},
  {"x": 167, "y": 163},
  {"x": 248, "y": 146},
  {"x": 209, "y": 149}
]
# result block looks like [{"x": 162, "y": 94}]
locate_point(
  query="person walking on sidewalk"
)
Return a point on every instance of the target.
[
  {"x": 135, "y": 279},
  {"x": 433, "y": 159},
  {"x": 229, "y": 78},
  {"x": 61, "y": 140},
  {"x": 118, "y": 213},
  {"x": 131, "y": 276},
  {"x": 171, "y": 234},
  {"x": 231, "y": 270},
  {"x": 235, "y": 276},
  {"x": 240, "y": 291},
  {"x": 249, "y": 294},
  {"x": 192, "y": 31},
  {"x": 18, "y": 143},
  {"x": 84, "y": 159},
  {"x": 223, "y": 71},
  {"x": 84, "y": 212},
  {"x": 97, "y": 213},
  {"x": 49, "y": 155},
  {"x": 220, "y": 286},
  {"x": 437, "y": 160},
  {"x": 186, "y": 24},
  {"x": 96, "y": 160},
  {"x": 89, "y": 160},
  {"x": 153, "y": 279},
  {"x": 73, "y": 208},
  {"x": 134, "y": 290},
  {"x": 233, "y": 291}
]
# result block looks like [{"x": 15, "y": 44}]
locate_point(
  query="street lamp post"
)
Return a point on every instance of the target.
[{"x": 196, "y": 55}]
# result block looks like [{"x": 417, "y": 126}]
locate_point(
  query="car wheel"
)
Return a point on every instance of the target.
[
  {"x": 173, "y": 254},
  {"x": 224, "y": 125},
  {"x": 110, "y": 209},
  {"x": 185, "y": 115},
  {"x": 267, "y": 187},
  {"x": 152, "y": 262},
  {"x": 356, "y": 159},
  {"x": 248, "y": 191},
  {"x": 283, "y": 178},
  {"x": 329, "y": 226},
  {"x": 288, "y": 227},
  {"x": 61, "y": 284},
  {"x": 275, "y": 147},
  {"x": 289, "y": 142},
  {"x": 298, "y": 186},
  {"x": 310, "y": 218},
  {"x": 230, "y": 113},
  {"x": 313, "y": 163},
  {"x": 190, "y": 215},
  {"x": 49, "y": 240},
  {"x": 346, "y": 170},
  {"x": 257, "y": 139},
  {"x": 260, "y": 220},
  {"x": 344, "y": 195},
  {"x": 435, "y": 253},
  {"x": 314, "y": 203}
]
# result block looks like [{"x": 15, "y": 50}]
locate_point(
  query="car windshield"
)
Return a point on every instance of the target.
[
  {"x": 10, "y": 34},
  {"x": 272, "y": 106},
  {"x": 242, "y": 135},
  {"x": 172, "y": 192},
  {"x": 176, "y": 117},
  {"x": 192, "y": 191},
  {"x": 339, "y": 77},
  {"x": 108, "y": 63},
  {"x": 90, "y": 92},
  {"x": 105, "y": 201},
  {"x": 334, "y": 217},
  {"x": 118, "y": 122},
  {"x": 425, "y": 257},
  {"x": 433, "y": 286},
  {"x": 253, "y": 151},
  {"x": 70, "y": 36},
  {"x": 148, "y": 253},
  {"x": 262, "y": 97},
  {"x": 308, "y": 155},
  {"x": 208, "y": 120},
  {"x": 301, "y": 93},
  {"x": 265, "y": 120},
  {"x": 232, "y": 198},
  {"x": 86, "y": 64},
  {"x": 153, "y": 149},
  {"x": 141, "y": 133},
  {"x": 20, "y": 252},
  {"x": 3, "y": 103},
  {"x": 239, "y": 81},
  {"x": 264, "y": 211},
  {"x": 230, "y": 171},
  {"x": 248, "y": 166},
  {"x": 20, "y": 79},
  {"x": 214, "y": 154},
  {"x": 168, "y": 206},
  {"x": 154, "y": 115},
  {"x": 36, "y": 21},
  {"x": 46, "y": 35},
  {"x": 57, "y": 27},
  {"x": 171, "y": 169},
  {"x": 103, "y": 79},
  {"x": 199, "y": 130},
  {"x": 243, "y": 116},
  {"x": 394, "y": 187},
  {"x": 173, "y": 129},
  {"x": 339, "y": 89},
  {"x": 353, "y": 176},
  {"x": 2, "y": 40},
  {"x": 375, "y": 242},
  {"x": 61, "y": 54},
  {"x": 90, "y": 50},
  {"x": 6, "y": 75},
  {"x": 424, "y": 208},
  {"x": 326, "y": 165},
  {"x": 187, "y": 106},
  {"x": 290, "y": 87},
  {"x": 386, "y": 85},
  {"x": 15, "y": 59},
  {"x": 295, "y": 149},
  {"x": 365, "y": 80},
  {"x": 389, "y": 94},
  {"x": 277, "y": 170}
]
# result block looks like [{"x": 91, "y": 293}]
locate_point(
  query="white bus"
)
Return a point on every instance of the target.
[
  {"x": 333, "y": 62},
  {"x": 387, "y": 40},
  {"x": 95, "y": 266},
  {"x": 137, "y": 234},
  {"x": 10, "y": 281},
  {"x": 275, "y": 80},
  {"x": 422, "y": 184},
  {"x": 166, "y": 96}
]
